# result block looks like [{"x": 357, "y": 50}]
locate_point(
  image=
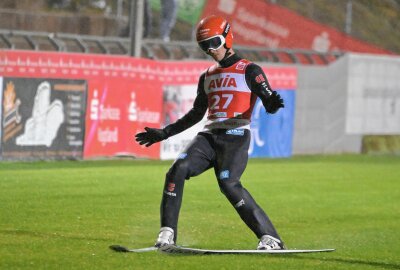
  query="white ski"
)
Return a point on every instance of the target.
[
  {"x": 119, "y": 248},
  {"x": 171, "y": 249}
]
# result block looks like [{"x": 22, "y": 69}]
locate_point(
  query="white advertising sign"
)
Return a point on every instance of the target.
[{"x": 177, "y": 101}]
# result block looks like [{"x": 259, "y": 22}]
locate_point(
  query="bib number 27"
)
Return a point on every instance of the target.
[{"x": 221, "y": 100}]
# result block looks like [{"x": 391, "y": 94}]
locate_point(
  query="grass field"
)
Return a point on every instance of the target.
[{"x": 64, "y": 215}]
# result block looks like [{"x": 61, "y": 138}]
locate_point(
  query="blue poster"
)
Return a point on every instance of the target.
[{"x": 272, "y": 134}]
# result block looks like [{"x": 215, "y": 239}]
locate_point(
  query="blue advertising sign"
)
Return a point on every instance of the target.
[{"x": 272, "y": 134}]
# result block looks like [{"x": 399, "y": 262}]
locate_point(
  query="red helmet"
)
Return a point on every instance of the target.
[{"x": 213, "y": 32}]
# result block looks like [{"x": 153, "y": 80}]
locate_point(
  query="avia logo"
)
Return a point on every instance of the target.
[{"x": 222, "y": 82}]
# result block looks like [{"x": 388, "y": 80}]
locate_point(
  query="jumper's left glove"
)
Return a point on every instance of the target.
[
  {"x": 273, "y": 102},
  {"x": 150, "y": 136}
]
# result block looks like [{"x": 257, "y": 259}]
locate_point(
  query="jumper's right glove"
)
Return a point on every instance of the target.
[
  {"x": 150, "y": 136},
  {"x": 273, "y": 102}
]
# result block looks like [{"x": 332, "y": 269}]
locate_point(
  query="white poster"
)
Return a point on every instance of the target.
[{"x": 177, "y": 101}]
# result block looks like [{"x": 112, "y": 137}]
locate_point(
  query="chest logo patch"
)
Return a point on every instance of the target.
[{"x": 226, "y": 81}]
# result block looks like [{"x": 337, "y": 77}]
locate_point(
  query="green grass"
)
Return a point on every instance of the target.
[{"x": 64, "y": 215}]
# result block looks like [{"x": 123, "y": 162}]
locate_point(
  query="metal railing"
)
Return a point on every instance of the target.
[{"x": 151, "y": 48}]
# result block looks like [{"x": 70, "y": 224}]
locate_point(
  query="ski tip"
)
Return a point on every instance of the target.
[{"x": 118, "y": 248}]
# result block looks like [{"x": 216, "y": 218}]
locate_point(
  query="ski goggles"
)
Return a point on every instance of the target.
[{"x": 212, "y": 43}]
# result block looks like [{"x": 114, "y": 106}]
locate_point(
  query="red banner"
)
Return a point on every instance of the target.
[
  {"x": 259, "y": 23},
  {"x": 118, "y": 109},
  {"x": 124, "y": 94}
]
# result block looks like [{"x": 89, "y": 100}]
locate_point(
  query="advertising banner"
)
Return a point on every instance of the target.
[
  {"x": 177, "y": 101},
  {"x": 260, "y": 23},
  {"x": 123, "y": 96},
  {"x": 272, "y": 134},
  {"x": 126, "y": 98},
  {"x": 102, "y": 101},
  {"x": 42, "y": 118},
  {"x": 117, "y": 110}
]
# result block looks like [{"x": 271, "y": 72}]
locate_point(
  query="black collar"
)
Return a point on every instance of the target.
[{"x": 229, "y": 61}]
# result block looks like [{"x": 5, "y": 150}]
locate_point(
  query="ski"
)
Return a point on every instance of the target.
[
  {"x": 171, "y": 249},
  {"x": 119, "y": 248}
]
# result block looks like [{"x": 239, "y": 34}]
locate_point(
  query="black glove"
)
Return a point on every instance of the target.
[
  {"x": 150, "y": 136},
  {"x": 273, "y": 102}
]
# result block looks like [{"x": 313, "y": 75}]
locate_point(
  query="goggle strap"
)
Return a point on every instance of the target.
[{"x": 226, "y": 30}]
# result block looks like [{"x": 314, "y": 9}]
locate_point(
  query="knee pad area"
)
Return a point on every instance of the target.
[
  {"x": 230, "y": 188},
  {"x": 179, "y": 170},
  {"x": 237, "y": 195}
]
